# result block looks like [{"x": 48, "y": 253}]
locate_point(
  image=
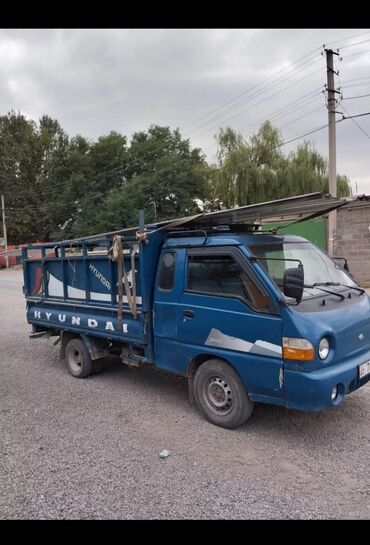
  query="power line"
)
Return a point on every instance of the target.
[
  {"x": 366, "y": 84},
  {"x": 355, "y": 54},
  {"x": 295, "y": 119},
  {"x": 302, "y": 116},
  {"x": 286, "y": 110},
  {"x": 262, "y": 101},
  {"x": 312, "y": 131},
  {"x": 358, "y": 96},
  {"x": 272, "y": 77},
  {"x": 254, "y": 95},
  {"x": 352, "y": 119},
  {"x": 297, "y": 62},
  {"x": 356, "y": 79},
  {"x": 349, "y": 38},
  {"x": 358, "y": 115},
  {"x": 352, "y": 45}
]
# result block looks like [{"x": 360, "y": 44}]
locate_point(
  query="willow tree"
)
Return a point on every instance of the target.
[
  {"x": 256, "y": 170},
  {"x": 308, "y": 172}
]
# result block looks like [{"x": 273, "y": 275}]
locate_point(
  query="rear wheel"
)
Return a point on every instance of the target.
[
  {"x": 220, "y": 394},
  {"x": 78, "y": 359}
]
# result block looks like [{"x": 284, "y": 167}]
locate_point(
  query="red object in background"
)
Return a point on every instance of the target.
[{"x": 12, "y": 260}]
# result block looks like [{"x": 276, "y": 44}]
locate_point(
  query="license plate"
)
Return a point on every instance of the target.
[{"x": 364, "y": 369}]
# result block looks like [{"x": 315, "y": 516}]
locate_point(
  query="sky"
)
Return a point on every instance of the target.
[{"x": 99, "y": 80}]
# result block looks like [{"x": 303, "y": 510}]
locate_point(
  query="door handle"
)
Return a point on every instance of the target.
[{"x": 188, "y": 313}]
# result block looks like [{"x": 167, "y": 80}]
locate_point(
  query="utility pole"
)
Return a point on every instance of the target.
[
  {"x": 332, "y": 223},
  {"x": 4, "y": 229}
]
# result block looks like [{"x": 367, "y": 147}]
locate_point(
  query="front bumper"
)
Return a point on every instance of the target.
[{"x": 311, "y": 391}]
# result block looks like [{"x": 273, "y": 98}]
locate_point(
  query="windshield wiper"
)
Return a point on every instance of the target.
[
  {"x": 361, "y": 290},
  {"x": 317, "y": 284}
]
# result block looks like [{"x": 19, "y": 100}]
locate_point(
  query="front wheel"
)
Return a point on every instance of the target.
[
  {"x": 78, "y": 359},
  {"x": 220, "y": 394}
]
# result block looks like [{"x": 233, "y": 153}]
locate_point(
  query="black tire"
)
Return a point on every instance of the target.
[
  {"x": 78, "y": 359},
  {"x": 220, "y": 394}
]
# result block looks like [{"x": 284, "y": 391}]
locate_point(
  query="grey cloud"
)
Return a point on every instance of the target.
[{"x": 95, "y": 81}]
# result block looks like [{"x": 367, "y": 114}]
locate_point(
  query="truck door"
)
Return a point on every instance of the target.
[
  {"x": 167, "y": 353},
  {"x": 225, "y": 310}
]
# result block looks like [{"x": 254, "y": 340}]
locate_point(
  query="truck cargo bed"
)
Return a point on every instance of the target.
[{"x": 74, "y": 287}]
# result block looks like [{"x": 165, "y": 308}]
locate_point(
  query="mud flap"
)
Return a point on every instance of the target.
[{"x": 98, "y": 348}]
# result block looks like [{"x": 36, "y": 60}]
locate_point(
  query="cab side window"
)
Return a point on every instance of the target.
[
  {"x": 222, "y": 276},
  {"x": 167, "y": 271}
]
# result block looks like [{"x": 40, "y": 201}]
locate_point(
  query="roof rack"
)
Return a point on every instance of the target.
[
  {"x": 188, "y": 233},
  {"x": 248, "y": 228}
]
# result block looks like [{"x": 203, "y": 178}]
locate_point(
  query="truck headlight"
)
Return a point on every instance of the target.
[{"x": 324, "y": 348}]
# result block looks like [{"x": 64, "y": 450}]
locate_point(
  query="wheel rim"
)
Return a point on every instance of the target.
[
  {"x": 75, "y": 360},
  {"x": 218, "y": 395}
]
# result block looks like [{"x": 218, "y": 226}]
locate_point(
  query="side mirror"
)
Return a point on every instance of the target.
[
  {"x": 293, "y": 283},
  {"x": 345, "y": 265}
]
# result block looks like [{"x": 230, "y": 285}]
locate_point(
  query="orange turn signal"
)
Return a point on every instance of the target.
[{"x": 297, "y": 349}]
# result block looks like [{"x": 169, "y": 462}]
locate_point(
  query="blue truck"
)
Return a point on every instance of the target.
[{"x": 246, "y": 315}]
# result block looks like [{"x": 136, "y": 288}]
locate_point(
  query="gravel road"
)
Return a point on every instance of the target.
[{"x": 87, "y": 449}]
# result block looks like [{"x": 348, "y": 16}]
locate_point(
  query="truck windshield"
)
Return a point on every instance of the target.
[{"x": 318, "y": 267}]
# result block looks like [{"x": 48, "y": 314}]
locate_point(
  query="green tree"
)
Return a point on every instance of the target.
[
  {"x": 249, "y": 171},
  {"x": 93, "y": 169},
  {"x": 257, "y": 170},
  {"x": 25, "y": 149},
  {"x": 164, "y": 176},
  {"x": 166, "y": 172}
]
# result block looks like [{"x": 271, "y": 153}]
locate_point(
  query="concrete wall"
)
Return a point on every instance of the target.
[{"x": 353, "y": 239}]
